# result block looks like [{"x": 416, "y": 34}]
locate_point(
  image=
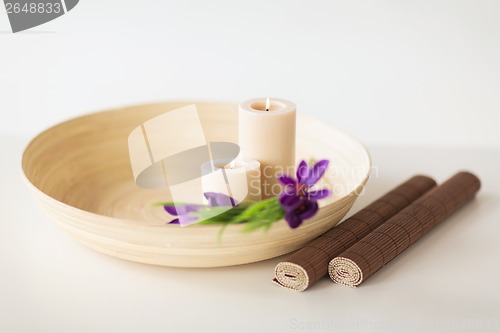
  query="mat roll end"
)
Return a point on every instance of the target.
[
  {"x": 291, "y": 276},
  {"x": 345, "y": 271}
]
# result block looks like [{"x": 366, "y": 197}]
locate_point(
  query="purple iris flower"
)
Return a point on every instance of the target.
[
  {"x": 183, "y": 211},
  {"x": 297, "y": 199}
]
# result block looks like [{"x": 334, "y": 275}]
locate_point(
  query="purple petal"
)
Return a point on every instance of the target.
[
  {"x": 187, "y": 208},
  {"x": 316, "y": 172},
  {"x": 289, "y": 190},
  {"x": 209, "y": 195},
  {"x": 293, "y": 220},
  {"x": 219, "y": 199},
  {"x": 319, "y": 194},
  {"x": 181, "y": 209},
  {"x": 290, "y": 201},
  {"x": 187, "y": 219},
  {"x": 174, "y": 221},
  {"x": 212, "y": 201},
  {"x": 302, "y": 171},
  {"x": 171, "y": 210},
  {"x": 287, "y": 180},
  {"x": 310, "y": 209}
]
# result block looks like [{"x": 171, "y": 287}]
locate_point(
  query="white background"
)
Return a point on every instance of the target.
[
  {"x": 411, "y": 72},
  {"x": 417, "y": 81}
]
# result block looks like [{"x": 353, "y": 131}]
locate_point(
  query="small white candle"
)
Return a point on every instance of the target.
[
  {"x": 267, "y": 134},
  {"x": 239, "y": 179}
]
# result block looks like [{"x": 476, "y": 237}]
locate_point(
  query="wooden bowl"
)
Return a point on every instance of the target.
[{"x": 80, "y": 173}]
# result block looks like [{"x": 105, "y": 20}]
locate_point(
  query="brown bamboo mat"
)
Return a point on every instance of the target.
[
  {"x": 371, "y": 253},
  {"x": 310, "y": 263}
]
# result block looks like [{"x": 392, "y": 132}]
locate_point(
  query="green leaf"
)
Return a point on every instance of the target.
[{"x": 254, "y": 216}]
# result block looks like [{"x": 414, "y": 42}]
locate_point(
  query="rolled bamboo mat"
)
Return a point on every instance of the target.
[
  {"x": 371, "y": 253},
  {"x": 310, "y": 263}
]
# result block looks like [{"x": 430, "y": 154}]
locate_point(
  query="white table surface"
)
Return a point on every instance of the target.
[{"x": 446, "y": 282}]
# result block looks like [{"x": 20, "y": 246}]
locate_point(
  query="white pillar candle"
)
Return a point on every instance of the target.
[
  {"x": 267, "y": 134},
  {"x": 239, "y": 179}
]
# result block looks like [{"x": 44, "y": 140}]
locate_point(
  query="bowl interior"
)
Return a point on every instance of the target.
[{"x": 84, "y": 162}]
